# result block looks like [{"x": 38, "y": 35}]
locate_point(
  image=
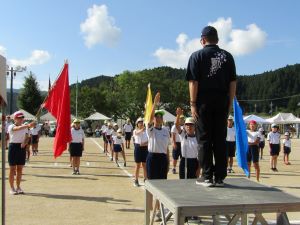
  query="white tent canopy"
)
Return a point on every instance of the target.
[
  {"x": 27, "y": 115},
  {"x": 258, "y": 119},
  {"x": 49, "y": 117},
  {"x": 97, "y": 116},
  {"x": 168, "y": 117},
  {"x": 284, "y": 118}
]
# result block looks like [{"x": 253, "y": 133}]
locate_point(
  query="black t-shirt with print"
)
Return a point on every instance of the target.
[{"x": 213, "y": 68}]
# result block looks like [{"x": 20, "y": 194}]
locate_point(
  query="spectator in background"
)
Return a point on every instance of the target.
[
  {"x": 35, "y": 132},
  {"x": 128, "y": 128}
]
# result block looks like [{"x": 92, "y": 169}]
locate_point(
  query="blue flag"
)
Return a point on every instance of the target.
[{"x": 241, "y": 138}]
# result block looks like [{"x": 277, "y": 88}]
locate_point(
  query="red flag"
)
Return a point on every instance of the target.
[{"x": 58, "y": 104}]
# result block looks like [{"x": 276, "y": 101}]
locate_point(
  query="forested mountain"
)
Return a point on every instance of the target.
[{"x": 124, "y": 95}]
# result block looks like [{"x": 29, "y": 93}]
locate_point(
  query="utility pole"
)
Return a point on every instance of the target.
[{"x": 13, "y": 72}]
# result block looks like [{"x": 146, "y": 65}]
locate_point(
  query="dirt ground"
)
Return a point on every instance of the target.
[{"x": 104, "y": 193}]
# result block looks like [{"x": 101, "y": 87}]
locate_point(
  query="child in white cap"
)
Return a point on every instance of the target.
[
  {"x": 18, "y": 138},
  {"x": 230, "y": 143},
  {"x": 261, "y": 144},
  {"x": 118, "y": 146},
  {"x": 274, "y": 141},
  {"x": 189, "y": 165},
  {"x": 286, "y": 148}
]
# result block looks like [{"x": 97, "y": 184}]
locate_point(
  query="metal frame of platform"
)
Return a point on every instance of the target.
[{"x": 239, "y": 198}]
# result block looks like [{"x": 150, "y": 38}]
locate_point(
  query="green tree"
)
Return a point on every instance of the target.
[{"x": 30, "y": 98}]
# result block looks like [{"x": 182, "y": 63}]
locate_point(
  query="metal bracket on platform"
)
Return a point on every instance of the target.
[
  {"x": 282, "y": 219},
  {"x": 259, "y": 218},
  {"x": 216, "y": 220}
]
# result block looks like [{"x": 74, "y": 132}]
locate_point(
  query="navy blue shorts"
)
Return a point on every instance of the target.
[
  {"x": 16, "y": 154},
  {"x": 76, "y": 149},
  {"x": 253, "y": 154},
  {"x": 230, "y": 147},
  {"x": 34, "y": 139},
  {"x": 192, "y": 167},
  {"x": 176, "y": 153},
  {"x": 127, "y": 136},
  {"x": 140, "y": 153},
  {"x": 261, "y": 144},
  {"x": 275, "y": 149},
  {"x": 117, "y": 148},
  {"x": 108, "y": 139},
  {"x": 157, "y": 165},
  {"x": 286, "y": 150}
]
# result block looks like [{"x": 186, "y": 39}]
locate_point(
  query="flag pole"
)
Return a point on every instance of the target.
[
  {"x": 41, "y": 106},
  {"x": 76, "y": 95}
]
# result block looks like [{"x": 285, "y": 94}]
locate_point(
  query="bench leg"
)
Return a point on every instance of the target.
[{"x": 282, "y": 219}]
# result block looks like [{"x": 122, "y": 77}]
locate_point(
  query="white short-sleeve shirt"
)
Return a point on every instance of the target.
[
  {"x": 287, "y": 143},
  {"x": 109, "y": 131},
  {"x": 77, "y": 135},
  {"x": 103, "y": 128},
  {"x": 128, "y": 128},
  {"x": 230, "y": 134},
  {"x": 118, "y": 140},
  {"x": 175, "y": 131},
  {"x": 261, "y": 136},
  {"x": 158, "y": 140},
  {"x": 17, "y": 136},
  {"x": 252, "y": 136},
  {"x": 274, "y": 137},
  {"x": 189, "y": 146},
  {"x": 35, "y": 130},
  {"x": 141, "y": 137}
]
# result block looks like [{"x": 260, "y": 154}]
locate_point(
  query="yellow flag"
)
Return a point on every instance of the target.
[{"x": 148, "y": 105}]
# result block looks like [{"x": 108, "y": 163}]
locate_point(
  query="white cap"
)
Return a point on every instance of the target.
[
  {"x": 230, "y": 117},
  {"x": 119, "y": 130},
  {"x": 286, "y": 134},
  {"x": 274, "y": 125},
  {"x": 140, "y": 119},
  {"x": 115, "y": 124},
  {"x": 261, "y": 129},
  {"x": 189, "y": 120}
]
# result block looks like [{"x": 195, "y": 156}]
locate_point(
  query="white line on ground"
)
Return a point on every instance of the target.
[{"x": 120, "y": 166}]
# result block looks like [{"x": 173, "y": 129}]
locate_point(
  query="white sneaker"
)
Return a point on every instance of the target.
[
  {"x": 13, "y": 192},
  {"x": 205, "y": 182},
  {"x": 20, "y": 191}
]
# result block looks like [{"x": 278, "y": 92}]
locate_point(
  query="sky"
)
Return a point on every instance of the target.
[{"x": 109, "y": 37}]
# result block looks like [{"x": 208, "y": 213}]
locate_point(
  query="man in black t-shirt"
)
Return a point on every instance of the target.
[{"x": 212, "y": 84}]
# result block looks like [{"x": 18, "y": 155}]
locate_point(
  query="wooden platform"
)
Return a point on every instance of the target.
[{"x": 236, "y": 200}]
